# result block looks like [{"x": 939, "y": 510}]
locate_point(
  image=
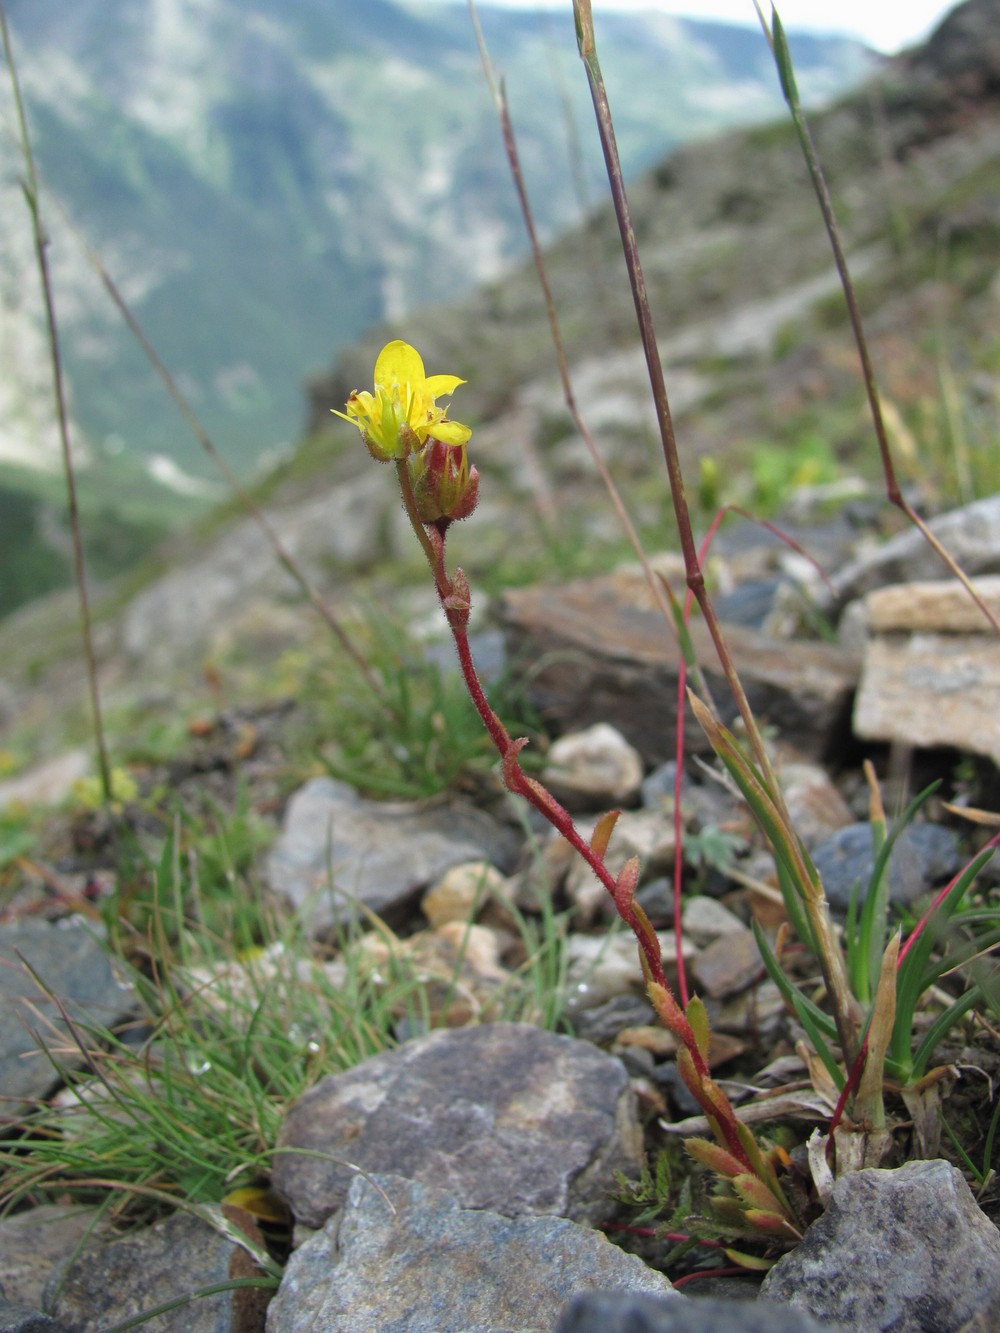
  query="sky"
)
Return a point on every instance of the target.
[{"x": 886, "y": 25}]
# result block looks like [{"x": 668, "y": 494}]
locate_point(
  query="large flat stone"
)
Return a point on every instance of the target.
[
  {"x": 971, "y": 534},
  {"x": 936, "y": 605},
  {"x": 929, "y": 690},
  {"x": 504, "y": 1116},
  {"x": 596, "y": 650}
]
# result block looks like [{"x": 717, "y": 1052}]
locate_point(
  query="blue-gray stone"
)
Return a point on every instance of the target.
[
  {"x": 902, "y": 1251},
  {"x": 637, "y": 1312},
  {"x": 924, "y": 857},
  {"x": 404, "y": 1257},
  {"x": 65, "y": 959},
  {"x": 338, "y": 851},
  {"x": 23, "y": 1319}
]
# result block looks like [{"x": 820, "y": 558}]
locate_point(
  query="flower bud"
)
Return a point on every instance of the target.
[{"x": 444, "y": 486}]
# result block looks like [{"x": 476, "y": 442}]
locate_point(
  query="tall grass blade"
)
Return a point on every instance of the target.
[
  {"x": 775, "y": 35},
  {"x": 31, "y": 195}
]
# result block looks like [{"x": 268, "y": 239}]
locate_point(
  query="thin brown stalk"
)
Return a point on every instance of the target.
[
  {"x": 779, "y": 47},
  {"x": 831, "y": 959},
  {"x": 29, "y": 186},
  {"x": 647, "y": 335},
  {"x": 499, "y": 95}
]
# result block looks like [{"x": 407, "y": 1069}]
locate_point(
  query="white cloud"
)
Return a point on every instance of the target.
[{"x": 884, "y": 24}]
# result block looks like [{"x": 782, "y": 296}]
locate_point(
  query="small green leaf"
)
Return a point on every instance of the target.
[
  {"x": 628, "y": 878},
  {"x": 752, "y": 1261},
  {"x": 715, "y": 1157},
  {"x": 602, "y": 833},
  {"x": 755, "y": 1193},
  {"x": 783, "y": 59},
  {"x": 697, "y": 1016}
]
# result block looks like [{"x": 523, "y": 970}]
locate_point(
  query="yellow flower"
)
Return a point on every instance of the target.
[{"x": 402, "y": 413}]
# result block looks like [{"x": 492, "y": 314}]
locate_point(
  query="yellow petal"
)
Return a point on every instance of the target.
[
  {"x": 398, "y": 363},
  {"x": 450, "y": 432},
  {"x": 437, "y": 385}
]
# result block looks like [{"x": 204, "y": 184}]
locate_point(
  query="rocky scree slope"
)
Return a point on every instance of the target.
[{"x": 753, "y": 340}]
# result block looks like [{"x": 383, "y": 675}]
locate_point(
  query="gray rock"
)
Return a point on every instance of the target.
[
  {"x": 728, "y": 965},
  {"x": 925, "y": 855},
  {"x": 906, "y": 1250},
  {"x": 110, "y": 1282},
  {"x": 593, "y": 769},
  {"x": 931, "y": 690},
  {"x": 749, "y": 603},
  {"x": 616, "y": 1312},
  {"x": 46, "y": 783},
  {"x": 67, "y": 959},
  {"x": 658, "y": 786},
  {"x": 337, "y": 850},
  {"x": 23, "y": 1319},
  {"x": 504, "y": 1116},
  {"x": 33, "y": 1242},
  {"x": 602, "y": 1024},
  {"x": 705, "y": 920},
  {"x": 599, "y": 967},
  {"x": 598, "y": 652},
  {"x": 816, "y": 807},
  {"x": 971, "y": 534},
  {"x": 657, "y": 900},
  {"x": 404, "y": 1257}
]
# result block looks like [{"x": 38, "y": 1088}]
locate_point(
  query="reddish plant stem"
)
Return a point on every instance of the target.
[
  {"x": 709, "y": 1272},
  {"x": 678, "y": 1237},
  {"x": 918, "y": 929},
  {"x": 453, "y": 593},
  {"x": 520, "y": 784}
]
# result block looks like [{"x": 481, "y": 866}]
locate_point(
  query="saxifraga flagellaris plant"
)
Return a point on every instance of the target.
[
  {"x": 873, "y": 992},
  {"x": 402, "y": 423}
]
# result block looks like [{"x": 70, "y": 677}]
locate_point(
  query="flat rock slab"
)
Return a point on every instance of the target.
[
  {"x": 906, "y": 1250},
  {"x": 403, "y": 1257},
  {"x": 107, "y": 1283},
  {"x": 599, "y": 652},
  {"x": 931, "y": 689},
  {"x": 504, "y": 1116},
  {"x": 940, "y": 604},
  {"x": 337, "y": 850},
  {"x": 68, "y": 961}
]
